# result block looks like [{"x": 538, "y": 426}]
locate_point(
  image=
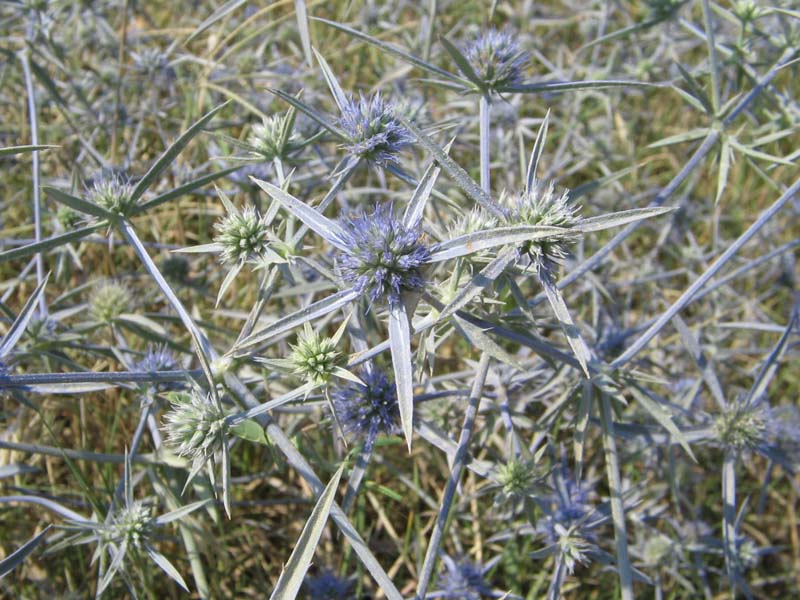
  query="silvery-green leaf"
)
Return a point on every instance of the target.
[
  {"x": 216, "y": 16},
  {"x": 393, "y": 50},
  {"x": 170, "y": 153},
  {"x": 480, "y": 281},
  {"x": 400, "y": 347},
  {"x": 144, "y": 322},
  {"x": 179, "y": 513},
  {"x": 308, "y": 313},
  {"x": 333, "y": 83},
  {"x": 47, "y": 244},
  {"x": 20, "y": 554},
  {"x": 301, "y": 11},
  {"x": 291, "y": 578},
  {"x": 23, "y": 318},
  {"x": 118, "y": 554},
  {"x": 454, "y": 170},
  {"x": 226, "y": 283},
  {"x": 416, "y": 206},
  {"x": 78, "y": 204},
  {"x": 165, "y": 566},
  {"x": 329, "y": 230},
  {"x": 183, "y": 190},
  {"x": 309, "y": 112},
  {"x": 620, "y": 218},
  {"x": 463, "y": 64},
  {"x": 536, "y": 154},
  {"x": 469, "y": 243},
  {"x": 662, "y": 417},
  {"x": 12, "y": 150},
  {"x": 567, "y": 86},
  {"x": 574, "y": 337}
]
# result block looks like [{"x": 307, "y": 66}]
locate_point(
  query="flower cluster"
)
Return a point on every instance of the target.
[
  {"x": 327, "y": 586},
  {"x": 108, "y": 302},
  {"x": 314, "y": 357},
  {"x": 462, "y": 580},
  {"x": 114, "y": 193},
  {"x": 373, "y": 132},
  {"x": 242, "y": 235},
  {"x": 497, "y": 58},
  {"x": 196, "y": 427},
  {"x": 384, "y": 257},
  {"x": 543, "y": 206},
  {"x": 269, "y": 138},
  {"x": 367, "y": 410}
]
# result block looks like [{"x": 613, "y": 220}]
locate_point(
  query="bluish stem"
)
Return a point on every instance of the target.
[
  {"x": 729, "y": 516},
  {"x": 462, "y": 450},
  {"x": 485, "y": 133},
  {"x": 615, "y": 489}
]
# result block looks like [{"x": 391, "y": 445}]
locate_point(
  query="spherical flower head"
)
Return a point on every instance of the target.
[
  {"x": 156, "y": 358},
  {"x": 574, "y": 548},
  {"x": 131, "y": 524},
  {"x": 68, "y": 217},
  {"x": 658, "y": 550},
  {"x": 267, "y": 138},
  {"x": 243, "y": 236},
  {"x": 367, "y": 410},
  {"x": 746, "y": 426},
  {"x": 314, "y": 357},
  {"x": 196, "y": 426},
  {"x": 373, "y": 132},
  {"x": 114, "y": 194},
  {"x": 461, "y": 581},
  {"x": 497, "y": 58},
  {"x": 327, "y": 586},
  {"x": 108, "y": 302},
  {"x": 384, "y": 258},
  {"x": 543, "y": 206},
  {"x": 518, "y": 478}
]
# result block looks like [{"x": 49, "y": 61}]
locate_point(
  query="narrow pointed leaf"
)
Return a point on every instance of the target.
[
  {"x": 49, "y": 243},
  {"x": 333, "y": 83},
  {"x": 574, "y": 337},
  {"x": 166, "y": 566},
  {"x": 470, "y": 243},
  {"x": 12, "y": 150},
  {"x": 179, "y": 513},
  {"x": 568, "y": 86},
  {"x": 79, "y": 204},
  {"x": 329, "y": 230},
  {"x": 170, "y": 153},
  {"x": 400, "y": 347},
  {"x": 290, "y": 580},
  {"x": 182, "y": 190},
  {"x": 620, "y": 218},
  {"x": 23, "y": 318},
  {"x": 11, "y": 562},
  {"x": 416, "y": 206},
  {"x": 226, "y": 283},
  {"x": 309, "y": 112},
  {"x": 662, "y": 417},
  {"x": 462, "y": 63},
  {"x": 393, "y": 50},
  {"x": 480, "y": 281},
  {"x": 297, "y": 318},
  {"x": 536, "y": 154},
  {"x": 454, "y": 170},
  {"x": 301, "y": 12},
  {"x": 215, "y": 17}
]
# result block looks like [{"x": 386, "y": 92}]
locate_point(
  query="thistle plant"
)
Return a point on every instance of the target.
[
  {"x": 367, "y": 409},
  {"x": 108, "y": 301},
  {"x": 372, "y": 131},
  {"x": 497, "y": 58},
  {"x": 462, "y": 290}
]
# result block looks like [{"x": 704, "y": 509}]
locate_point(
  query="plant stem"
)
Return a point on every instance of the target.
[
  {"x": 455, "y": 476},
  {"x": 485, "y": 132},
  {"x": 617, "y": 508}
]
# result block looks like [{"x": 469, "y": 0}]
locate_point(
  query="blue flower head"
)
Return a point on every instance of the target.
[
  {"x": 497, "y": 58},
  {"x": 461, "y": 581},
  {"x": 373, "y": 132},
  {"x": 327, "y": 586},
  {"x": 384, "y": 257},
  {"x": 156, "y": 358},
  {"x": 367, "y": 410}
]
